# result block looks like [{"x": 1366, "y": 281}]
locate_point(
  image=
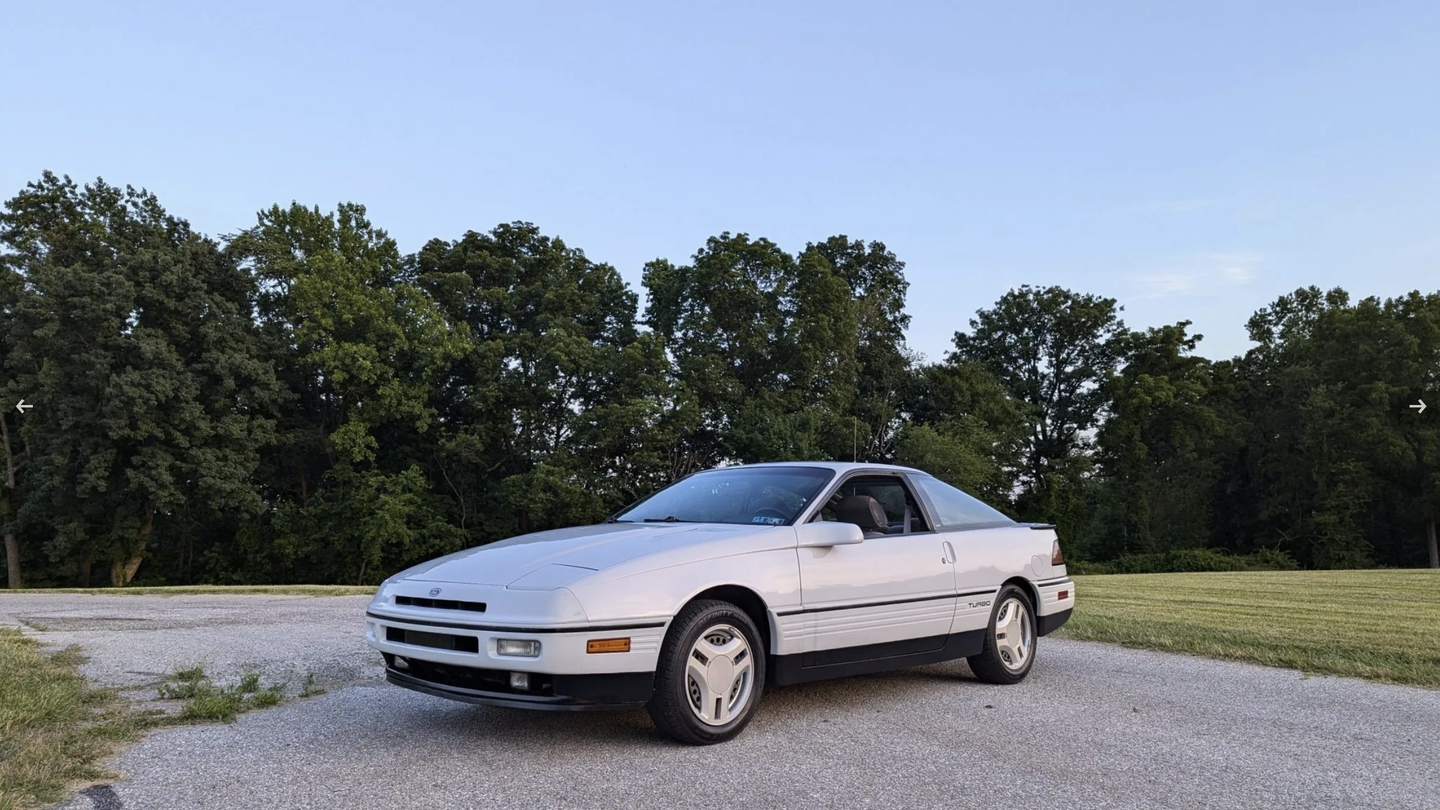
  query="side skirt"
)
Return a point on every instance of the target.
[{"x": 870, "y": 658}]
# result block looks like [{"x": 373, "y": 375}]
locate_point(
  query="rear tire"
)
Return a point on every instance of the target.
[
  {"x": 1009, "y": 650},
  {"x": 710, "y": 676}
]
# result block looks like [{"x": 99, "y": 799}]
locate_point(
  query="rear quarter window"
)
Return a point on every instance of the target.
[{"x": 956, "y": 510}]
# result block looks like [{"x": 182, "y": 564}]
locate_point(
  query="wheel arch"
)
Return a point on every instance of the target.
[
  {"x": 1030, "y": 591},
  {"x": 747, "y": 600}
]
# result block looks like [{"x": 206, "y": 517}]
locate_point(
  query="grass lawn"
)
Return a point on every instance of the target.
[
  {"x": 55, "y": 729},
  {"x": 191, "y": 590},
  {"x": 1380, "y": 625}
]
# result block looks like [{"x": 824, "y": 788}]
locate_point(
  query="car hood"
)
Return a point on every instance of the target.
[{"x": 583, "y": 548}]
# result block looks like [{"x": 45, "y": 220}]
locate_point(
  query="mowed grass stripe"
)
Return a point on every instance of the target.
[{"x": 1380, "y": 625}]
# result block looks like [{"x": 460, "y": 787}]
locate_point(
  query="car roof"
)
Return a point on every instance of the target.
[{"x": 837, "y": 466}]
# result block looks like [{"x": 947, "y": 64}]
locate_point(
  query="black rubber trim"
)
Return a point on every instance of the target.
[
  {"x": 626, "y": 690},
  {"x": 871, "y": 658},
  {"x": 1045, "y": 583},
  {"x": 857, "y": 606},
  {"x": 1045, "y": 625},
  {"x": 495, "y": 628}
]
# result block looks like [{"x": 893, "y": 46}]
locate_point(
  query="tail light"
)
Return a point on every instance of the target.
[{"x": 1056, "y": 558}]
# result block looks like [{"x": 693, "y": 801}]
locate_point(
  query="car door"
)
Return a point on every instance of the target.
[
  {"x": 893, "y": 594},
  {"x": 986, "y": 550}
]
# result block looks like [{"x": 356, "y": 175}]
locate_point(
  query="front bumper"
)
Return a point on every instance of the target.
[
  {"x": 434, "y": 653},
  {"x": 609, "y": 690},
  {"x": 563, "y": 650}
]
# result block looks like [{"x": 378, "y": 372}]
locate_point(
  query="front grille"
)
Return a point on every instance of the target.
[
  {"x": 484, "y": 680},
  {"x": 443, "y": 604},
  {"x": 440, "y": 641}
]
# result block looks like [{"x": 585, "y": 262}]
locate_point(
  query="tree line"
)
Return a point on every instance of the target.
[{"x": 303, "y": 402}]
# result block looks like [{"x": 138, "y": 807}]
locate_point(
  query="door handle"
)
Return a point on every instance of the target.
[{"x": 949, "y": 552}]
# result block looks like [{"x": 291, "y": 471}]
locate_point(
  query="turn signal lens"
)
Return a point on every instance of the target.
[
  {"x": 1056, "y": 558},
  {"x": 607, "y": 645},
  {"x": 525, "y": 648}
]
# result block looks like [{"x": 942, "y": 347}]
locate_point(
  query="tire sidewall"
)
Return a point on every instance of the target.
[
  {"x": 1006, "y": 594},
  {"x": 676, "y": 653}
]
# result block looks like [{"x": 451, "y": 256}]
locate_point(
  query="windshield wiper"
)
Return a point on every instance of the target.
[{"x": 670, "y": 519}]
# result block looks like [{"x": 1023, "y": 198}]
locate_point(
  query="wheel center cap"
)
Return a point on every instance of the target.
[{"x": 720, "y": 673}]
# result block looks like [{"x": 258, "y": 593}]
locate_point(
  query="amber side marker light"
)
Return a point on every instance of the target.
[
  {"x": 1056, "y": 558},
  {"x": 606, "y": 645}
]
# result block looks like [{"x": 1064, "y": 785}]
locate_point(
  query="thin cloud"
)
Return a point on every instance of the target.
[
  {"x": 1159, "y": 285},
  {"x": 1199, "y": 275}
]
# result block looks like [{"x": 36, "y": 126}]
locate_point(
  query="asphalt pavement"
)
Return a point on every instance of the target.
[{"x": 1094, "y": 726}]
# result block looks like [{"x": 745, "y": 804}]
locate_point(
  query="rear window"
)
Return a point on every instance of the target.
[{"x": 956, "y": 510}]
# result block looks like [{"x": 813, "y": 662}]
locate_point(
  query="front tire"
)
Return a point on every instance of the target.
[
  {"x": 1009, "y": 650},
  {"x": 710, "y": 676}
]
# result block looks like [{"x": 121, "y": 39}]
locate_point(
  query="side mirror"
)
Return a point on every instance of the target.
[{"x": 827, "y": 533}]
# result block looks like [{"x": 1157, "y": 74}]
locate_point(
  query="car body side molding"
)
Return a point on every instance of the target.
[
  {"x": 885, "y": 603},
  {"x": 863, "y": 660}
]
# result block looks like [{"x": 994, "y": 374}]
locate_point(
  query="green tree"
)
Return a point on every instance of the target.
[
  {"x": 147, "y": 390},
  {"x": 1051, "y": 349},
  {"x": 962, "y": 426},
  {"x": 883, "y": 364},
  {"x": 12, "y": 389},
  {"x": 766, "y": 345},
  {"x": 1158, "y": 450},
  {"x": 561, "y": 411},
  {"x": 359, "y": 347},
  {"x": 1342, "y": 473}
]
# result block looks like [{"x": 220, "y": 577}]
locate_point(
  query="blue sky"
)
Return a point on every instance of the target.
[{"x": 1192, "y": 160}]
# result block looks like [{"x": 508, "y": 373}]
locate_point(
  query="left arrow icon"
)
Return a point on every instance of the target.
[{"x": 22, "y": 407}]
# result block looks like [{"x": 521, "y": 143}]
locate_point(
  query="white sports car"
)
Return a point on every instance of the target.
[{"x": 690, "y": 600}]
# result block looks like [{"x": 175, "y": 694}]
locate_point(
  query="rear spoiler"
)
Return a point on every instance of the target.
[{"x": 1039, "y": 526}]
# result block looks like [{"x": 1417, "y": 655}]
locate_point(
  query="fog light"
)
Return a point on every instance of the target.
[
  {"x": 520, "y": 681},
  {"x": 524, "y": 648},
  {"x": 401, "y": 663}
]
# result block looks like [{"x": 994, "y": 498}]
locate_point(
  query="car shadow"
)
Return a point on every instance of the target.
[
  {"x": 865, "y": 690},
  {"x": 520, "y": 728}
]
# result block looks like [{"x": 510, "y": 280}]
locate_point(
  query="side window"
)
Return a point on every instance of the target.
[
  {"x": 956, "y": 510},
  {"x": 892, "y": 494}
]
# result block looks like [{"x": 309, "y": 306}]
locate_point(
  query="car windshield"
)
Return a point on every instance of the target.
[{"x": 763, "y": 496}]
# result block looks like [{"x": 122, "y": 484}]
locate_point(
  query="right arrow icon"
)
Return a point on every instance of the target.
[{"x": 1419, "y": 408}]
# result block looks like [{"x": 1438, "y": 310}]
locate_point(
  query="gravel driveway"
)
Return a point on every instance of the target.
[{"x": 1094, "y": 726}]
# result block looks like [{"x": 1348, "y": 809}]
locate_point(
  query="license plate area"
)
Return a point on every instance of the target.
[{"x": 438, "y": 641}]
